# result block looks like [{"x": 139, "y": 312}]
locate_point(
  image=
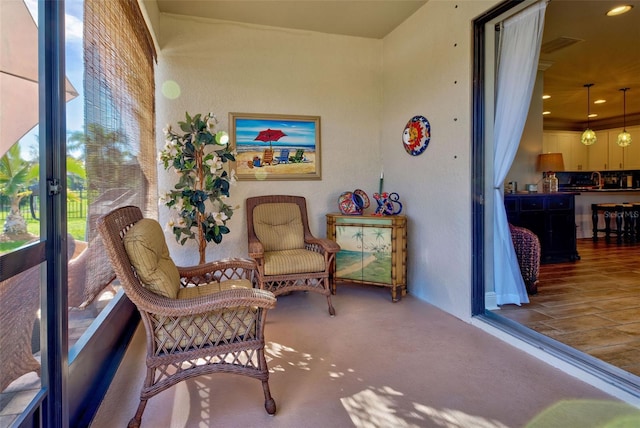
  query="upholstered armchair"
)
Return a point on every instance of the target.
[
  {"x": 527, "y": 247},
  {"x": 199, "y": 320},
  {"x": 289, "y": 257}
]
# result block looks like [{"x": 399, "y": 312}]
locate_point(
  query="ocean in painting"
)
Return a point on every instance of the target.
[{"x": 243, "y": 148}]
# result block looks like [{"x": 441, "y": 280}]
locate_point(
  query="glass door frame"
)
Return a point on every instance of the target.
[
  {"x": 72, "y": 386},
  {"x": 482, "y": 249}
]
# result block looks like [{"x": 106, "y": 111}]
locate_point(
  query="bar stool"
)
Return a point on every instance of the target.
[
  {"x": 635, "y": 221},
  {"x": 625, "y": 223},
  {"x": 608, "y": 210}
]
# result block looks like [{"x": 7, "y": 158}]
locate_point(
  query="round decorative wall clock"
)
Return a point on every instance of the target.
[{"x": 416, "y": 135}]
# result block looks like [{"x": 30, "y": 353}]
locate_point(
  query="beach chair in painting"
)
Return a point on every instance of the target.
[
  {"x": 283, "y": 157},
  {"x": 298, "y": 158},
  {"x": 267, "y": 157}
]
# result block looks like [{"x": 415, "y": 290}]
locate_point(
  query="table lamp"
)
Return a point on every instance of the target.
[{"x": 549, "y": 164}]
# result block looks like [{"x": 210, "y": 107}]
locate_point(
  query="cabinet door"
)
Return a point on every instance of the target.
[
  {"x": 561, "y": 225},
  {"x": 632, "y": 153},
  {"x": 574, "y": 154},
  {"x": 598, "y": 153},
  {"x": 376, "y": 255},
  {"x": 349, "y": 258},
  {"x": 562, "y": 233},
  {"x": 616, "y": 153},
  {"x": 365, "y": 253}
]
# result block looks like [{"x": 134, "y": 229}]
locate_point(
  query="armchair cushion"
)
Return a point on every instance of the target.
[
  {"x": 149, "y": 255},
  {"x": 293, "y": 261},
  {"x": 213, "y": 287},
  {"x": 216, "y": 326},
  {"x": 278, "y": 226}
]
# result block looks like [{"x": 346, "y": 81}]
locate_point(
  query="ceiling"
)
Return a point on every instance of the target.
[
  {"x": 363, "y": 18},
  {"x": 607, "y": 55}
]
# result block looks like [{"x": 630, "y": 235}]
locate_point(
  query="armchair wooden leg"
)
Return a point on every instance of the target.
[
  {"x": 269, "y": 402},
  {"x": 332, "y": 311},
  {"x": 137, "y": 418}
]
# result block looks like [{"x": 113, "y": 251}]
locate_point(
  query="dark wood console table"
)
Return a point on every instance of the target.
[{"x": 551, "y": 216}]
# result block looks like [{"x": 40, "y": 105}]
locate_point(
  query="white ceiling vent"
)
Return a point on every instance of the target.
[{"x": 557, "y": 44}]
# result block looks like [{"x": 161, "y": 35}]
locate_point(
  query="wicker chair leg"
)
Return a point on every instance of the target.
[
  {"x": 332, "y": 311},
  {"x": 269, "y": 402},
  {"x": 137, "y": 418}
]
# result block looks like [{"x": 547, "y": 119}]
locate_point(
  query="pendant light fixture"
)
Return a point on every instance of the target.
[
  {"x": 624, "y": 138},
  {"x": 588, "y": 136}
]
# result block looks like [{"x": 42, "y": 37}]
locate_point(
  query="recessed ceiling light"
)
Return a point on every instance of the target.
[
  {"x": 600, "y": 101},
  {"x": 593, "y": 115},
  {"x": 619, "y": 10},
  {"x": 546, "y": 97},
  {"x": 546, "y": 112}
]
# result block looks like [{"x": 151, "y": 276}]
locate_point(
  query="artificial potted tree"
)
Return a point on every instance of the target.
[{"x": 198, "y": 155}]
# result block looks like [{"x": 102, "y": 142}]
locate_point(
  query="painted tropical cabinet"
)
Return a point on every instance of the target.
[{"x": 373, "y": 251}]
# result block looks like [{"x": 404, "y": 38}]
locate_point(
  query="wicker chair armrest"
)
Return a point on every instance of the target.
[
  {"x": 232, "y": 268},
  {"x": 256, "y": 249},
  {"x": 327, "y": 245},
  {"x": 239, "y": 297}
]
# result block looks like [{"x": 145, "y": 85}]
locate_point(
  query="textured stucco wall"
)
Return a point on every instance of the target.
[
  {"x": 365, "y": 90},
  {"x": 428, "y": 71},
  {"x": 228, "y": 67}
]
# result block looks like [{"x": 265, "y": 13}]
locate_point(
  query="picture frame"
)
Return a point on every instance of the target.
[{"x": 275, "y": 146}]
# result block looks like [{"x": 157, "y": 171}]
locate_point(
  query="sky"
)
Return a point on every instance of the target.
[
  {"x": 74, "y": 70},
  {"x": 299, "y": 133}
]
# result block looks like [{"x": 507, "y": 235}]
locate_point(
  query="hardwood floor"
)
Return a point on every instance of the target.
[{"x": 592, "y": 304}]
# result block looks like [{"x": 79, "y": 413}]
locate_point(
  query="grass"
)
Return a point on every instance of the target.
[{"x": 75, "y": 226}]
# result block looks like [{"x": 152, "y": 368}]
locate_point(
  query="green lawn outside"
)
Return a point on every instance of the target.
[{"x": 76, "y": 226}]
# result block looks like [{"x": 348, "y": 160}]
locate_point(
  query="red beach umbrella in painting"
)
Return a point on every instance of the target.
[{"x": 269, "y": 135}]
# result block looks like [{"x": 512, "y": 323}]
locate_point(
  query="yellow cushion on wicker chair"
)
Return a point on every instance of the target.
[
  {"x": 149, "y": 255},
  {"x": 292, "y": 261},
  {"x": 279, "y": 226},
  {"x": 212, "y": 328},
  {"x": 213, "y": 287}
]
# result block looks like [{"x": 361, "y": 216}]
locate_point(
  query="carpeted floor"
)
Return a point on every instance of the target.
[{"x": 375, "y": 364}]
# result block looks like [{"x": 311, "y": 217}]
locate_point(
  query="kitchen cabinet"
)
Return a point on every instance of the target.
[
  {"x": 607, "y": 155},
  {"x": 631, "y": 154},
  {"x": 574, "y": 153},
  {"x": 373, "y": 250},
  {"x": 616, "y": 153},
  {"x": 598, "y": 153},
  {"x": 551, "y": 216}
]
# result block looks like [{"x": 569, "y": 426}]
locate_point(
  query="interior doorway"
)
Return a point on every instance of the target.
[{"x": 507, "y": 319}]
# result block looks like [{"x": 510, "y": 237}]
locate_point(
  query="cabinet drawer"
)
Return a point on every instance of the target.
[
  {"x": 560, "y": 203},
  {"x": 531, "y": 204}
]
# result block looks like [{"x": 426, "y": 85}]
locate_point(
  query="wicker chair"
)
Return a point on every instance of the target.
[
  {"x": 199, "y": 320},
  {"x": 289, "y": 257},
  {"x": 527, "y": 247}
]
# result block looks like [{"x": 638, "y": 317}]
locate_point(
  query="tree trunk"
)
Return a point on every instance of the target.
[{"x": 15, "y": 224}]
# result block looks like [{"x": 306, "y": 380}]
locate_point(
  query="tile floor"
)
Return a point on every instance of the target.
[{"x": 592, "y": 304}]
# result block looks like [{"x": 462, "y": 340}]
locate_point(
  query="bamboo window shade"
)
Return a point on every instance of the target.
[{"x": 119, "y": 110}]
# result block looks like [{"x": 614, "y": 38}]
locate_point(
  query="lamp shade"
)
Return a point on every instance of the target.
[
  {"x": 588, "y": 137},
  {"x": 624, "y": 139},
  {"x": 550, "y": 162}
]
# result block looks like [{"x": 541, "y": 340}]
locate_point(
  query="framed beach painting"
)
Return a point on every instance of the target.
[{"x": 275, "y": 146}]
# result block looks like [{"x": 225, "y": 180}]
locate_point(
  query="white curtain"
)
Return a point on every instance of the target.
[{"x": 518, "y": 53}]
